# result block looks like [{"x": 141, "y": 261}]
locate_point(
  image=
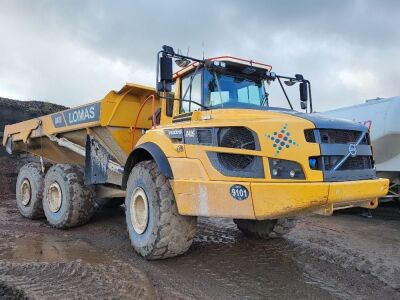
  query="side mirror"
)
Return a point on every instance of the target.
[
  {"x": 303, "y": 92},
  {"x": 166, "y": 74},
  {"x": 303, "y": 95}
]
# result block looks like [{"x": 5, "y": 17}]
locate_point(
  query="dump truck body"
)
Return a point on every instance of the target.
[
  {"x": 219, "y": 157},
  {"x": 205, "y": 190}
]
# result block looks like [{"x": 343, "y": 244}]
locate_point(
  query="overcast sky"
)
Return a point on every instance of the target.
[{"x": 72, "y": 52}]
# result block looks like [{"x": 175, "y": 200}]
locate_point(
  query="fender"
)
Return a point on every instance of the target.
[{"x": 147, "y": 151}]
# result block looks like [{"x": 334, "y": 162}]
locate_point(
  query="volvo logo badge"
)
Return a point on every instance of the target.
[{"x": 353, "y": 150}]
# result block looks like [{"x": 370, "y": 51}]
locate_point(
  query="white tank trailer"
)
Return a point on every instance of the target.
[{"x": 382, "y": 116}]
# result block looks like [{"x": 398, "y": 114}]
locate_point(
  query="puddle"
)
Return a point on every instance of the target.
[{"x": 49, "y": 249}]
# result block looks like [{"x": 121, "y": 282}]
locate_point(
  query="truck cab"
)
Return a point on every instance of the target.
[{"x": 248, "y": 159}]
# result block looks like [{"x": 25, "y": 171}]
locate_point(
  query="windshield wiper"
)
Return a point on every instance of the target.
[
  {"x": 219, "y": 88},
  {"x": 264, "y": 100}
]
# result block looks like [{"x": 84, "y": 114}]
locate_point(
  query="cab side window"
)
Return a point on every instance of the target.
[
  {"x": 170, "y": 101},
  {"x": 193, "y": 93}
]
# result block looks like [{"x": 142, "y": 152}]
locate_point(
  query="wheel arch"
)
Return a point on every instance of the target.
[{"x": 147, "y": 151}]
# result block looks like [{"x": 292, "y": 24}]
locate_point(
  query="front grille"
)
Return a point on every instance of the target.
[
  {"x": 357, "y": 163},
  {"x": 352, "y": 163},
  {"x": 237, "y": 137},
  {"x": 335, "y": 145},
  {"x": 339, "y": 136},
  {"x": 309, "y": 135},
  {"x": 204, "y": 136},
  {"x": 235, "y": 161}
]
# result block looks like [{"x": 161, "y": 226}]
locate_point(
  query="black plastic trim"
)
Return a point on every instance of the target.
[
  {"x": 182, "y": 117},
  {"x": 347, "y": 175},
  {"x": 147, "y": 151},
  {"x": 285, "y": 167},
  {"x": 253, "y": 170}
]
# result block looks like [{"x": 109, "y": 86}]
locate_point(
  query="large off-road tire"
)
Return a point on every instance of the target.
[
  {"x": 29, "y": 191},
  {"x": 67, "y": 202},
  {"x": 155, "y": 227},
  {"x": 265, "y": 229}
]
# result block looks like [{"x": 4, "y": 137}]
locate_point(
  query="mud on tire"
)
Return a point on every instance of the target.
[
  {"x": 265, "y": 229},
  {"x": 67, "y": 202},
  {"x": 166, "y": 233},
  {"x": 29, "y": 191}
]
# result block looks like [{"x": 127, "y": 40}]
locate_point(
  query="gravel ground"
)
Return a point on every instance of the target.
[{"x": 340, "y": 257}]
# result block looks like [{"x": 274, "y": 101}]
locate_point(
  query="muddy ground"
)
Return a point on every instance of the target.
[{"x": 341, "y": 257}]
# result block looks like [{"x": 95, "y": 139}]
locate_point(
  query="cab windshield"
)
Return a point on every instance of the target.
[{"x": 224, "y": 90}]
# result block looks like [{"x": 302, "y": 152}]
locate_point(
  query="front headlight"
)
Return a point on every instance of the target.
[{"x": 285, "y": 169}]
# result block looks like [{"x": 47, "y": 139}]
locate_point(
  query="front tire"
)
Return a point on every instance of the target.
[
  {"x": 155, "y": 227},
  {"x": 265, "y": 229},
  {"x": 29, "y": 191},
  {"x": 67, "y": 202}
]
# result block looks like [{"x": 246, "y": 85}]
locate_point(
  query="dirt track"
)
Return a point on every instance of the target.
[{"x": 345, "y": 256}]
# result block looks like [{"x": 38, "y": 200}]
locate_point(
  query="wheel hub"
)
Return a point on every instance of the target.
[
  {"x": 54, "y": 197},
  {"x": 139, "y": 210},
  {"x": 26, "y": 192}
]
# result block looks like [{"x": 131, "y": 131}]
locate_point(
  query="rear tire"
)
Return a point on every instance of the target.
[
  {"x": 155, "y": 227},
  {"x": 265, "y": 229},
  {"x": 29, "y": 191},
  {"x": 67, "y": 202}
]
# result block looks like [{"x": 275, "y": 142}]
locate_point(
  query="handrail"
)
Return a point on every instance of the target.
[
  {"x": 251, "y": 62},
  {"x": 153, "y": 117}
]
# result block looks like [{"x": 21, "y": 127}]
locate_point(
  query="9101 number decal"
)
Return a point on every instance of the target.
[{"x": 239, "y": 192}]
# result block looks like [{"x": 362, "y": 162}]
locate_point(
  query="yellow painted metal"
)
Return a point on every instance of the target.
[
  {"x": 210, "y": 198},
  {"x": 352, "y": 191},
  {"x": 201, "y": 197},
  {"x": 273, "y": 200},
  {"x": 118, "y": 112},
  {"x": 263, "y": 123},
  {"x": 188, "y": 169},
  {"x": 277, "y": 199}
]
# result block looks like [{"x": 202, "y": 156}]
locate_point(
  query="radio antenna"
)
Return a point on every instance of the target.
[{"x": 202, "y": 46}]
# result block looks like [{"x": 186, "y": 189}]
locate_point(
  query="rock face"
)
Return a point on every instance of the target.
[{"x": 14, "y": 111}]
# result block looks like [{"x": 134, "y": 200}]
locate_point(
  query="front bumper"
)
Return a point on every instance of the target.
[{"x": 274, "y": 200}]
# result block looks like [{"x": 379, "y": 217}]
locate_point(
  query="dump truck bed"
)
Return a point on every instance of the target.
[{"x": 110, "y": 120}]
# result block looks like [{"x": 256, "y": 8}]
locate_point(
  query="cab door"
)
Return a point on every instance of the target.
[{"x": 188, "y": 93}]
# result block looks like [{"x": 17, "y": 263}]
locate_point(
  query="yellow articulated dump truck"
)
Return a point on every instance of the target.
[{"x": 206, "y": 141}]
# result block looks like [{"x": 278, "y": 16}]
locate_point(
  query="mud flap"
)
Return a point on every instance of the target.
[
  {"x": 96, "y": 162},
  {"x": 9, "y": 145}
]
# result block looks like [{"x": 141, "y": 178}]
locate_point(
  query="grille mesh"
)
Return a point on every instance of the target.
[
  {"x": 204, "y": 136},
  {"x": 239, "y": 138},
  {"x": 357, "y": 163},
  {"x": 338, "y": 136},
  {"x": 235, "y": 161},
  {"x": 309, "y": 135},
  {"x": 352, "y": 163}
]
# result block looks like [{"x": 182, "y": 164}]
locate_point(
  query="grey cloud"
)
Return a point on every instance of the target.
[{"x": 74, "y": 51}]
